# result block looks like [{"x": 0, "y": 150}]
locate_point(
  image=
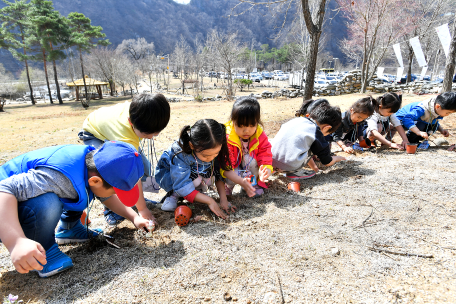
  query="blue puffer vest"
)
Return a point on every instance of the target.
[{"x": 67, "y": 159}]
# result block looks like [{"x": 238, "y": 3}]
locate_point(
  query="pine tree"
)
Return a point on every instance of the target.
[
  {"x": 53, "y": 32},
  {"x": 85, "y": 37},
  {"x": 15, "y": 17}
]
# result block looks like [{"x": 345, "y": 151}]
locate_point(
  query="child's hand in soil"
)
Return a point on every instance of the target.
[
  {"x": 337, "y": 159},
  {"x": 264, "y": 174},
  {"x": 226, "y": 205},
  {"x": 26, "y": 254},
  {"x": 396, "y": 146},
  {"x": 141, "y": 222},
  {"x": 349, "y": 150},
  {"x": 248, "y": 187},
  {"x": 216, "y": 209},
  {"x": 404, "y": 144},
  {"x": 445, "y": 132},
  {"x": 145, "y": 213}
]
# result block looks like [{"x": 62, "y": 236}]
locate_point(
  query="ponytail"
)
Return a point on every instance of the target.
[
  {"x": 308, "y": 105},
  {"x": 390, "y": 101},
  {"x": 185, "y": 139},
  {"x": 366, "y": 105},
  {"x": 203, "y": 135}
]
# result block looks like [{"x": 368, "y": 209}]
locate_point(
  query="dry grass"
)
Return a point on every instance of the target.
[{"x": 308, "y": 247}]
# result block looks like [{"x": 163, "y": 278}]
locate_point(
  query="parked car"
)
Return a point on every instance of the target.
[
  {"x": 280, "y": 77},
  {"x": 256, "y": 77},
  {"x": 267, "y": 75},
  {"x": 320, "y": 84}
]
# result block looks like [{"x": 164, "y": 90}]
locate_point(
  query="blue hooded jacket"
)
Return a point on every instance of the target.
[
  {"x": 418, "y": 112},
  {"x": 67, "y": 159}
]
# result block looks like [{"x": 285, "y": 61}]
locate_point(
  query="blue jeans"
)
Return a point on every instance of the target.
[{"x": 39, "y": 216}]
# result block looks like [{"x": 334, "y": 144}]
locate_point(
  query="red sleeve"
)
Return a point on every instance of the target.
[
  {"x": 191, "y": 196},
  {"x": 234, "y": 153},
  {"x": 264, "y": 156}
]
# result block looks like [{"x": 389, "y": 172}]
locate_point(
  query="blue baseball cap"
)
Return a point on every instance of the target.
[{"x": 121, "y": 166}]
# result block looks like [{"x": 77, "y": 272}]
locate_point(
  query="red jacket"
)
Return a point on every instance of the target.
[{"x": 259, "y": 148}]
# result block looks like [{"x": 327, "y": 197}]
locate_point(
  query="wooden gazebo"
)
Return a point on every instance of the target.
[{"x": 90, "y": 83}]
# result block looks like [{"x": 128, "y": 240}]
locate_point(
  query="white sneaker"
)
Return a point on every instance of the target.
[{"x": 170, "y": 203}]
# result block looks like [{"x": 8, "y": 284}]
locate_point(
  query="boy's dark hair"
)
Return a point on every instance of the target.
[
  {"x": 447, "y": 101},
  {"x": 92, "y": 169},
  {"x": 306, "y": 104},
  {"x": 390, "y": 101},
  {"x": 206, "y": 134},
  {"x": 323, "y": 113},
  {"x": 366, "y": 105},
  {"x": 246, "y": 112},
  {"x": 149, "y": 113}
]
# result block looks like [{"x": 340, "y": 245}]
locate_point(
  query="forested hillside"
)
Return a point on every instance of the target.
[{"x": 164, "y": 21}]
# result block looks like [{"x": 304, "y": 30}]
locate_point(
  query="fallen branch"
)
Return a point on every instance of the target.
[
  {"x": 280, "y": 287},
  {"x": 427, "y": 256},
  {"x": 364, "y": 222}
]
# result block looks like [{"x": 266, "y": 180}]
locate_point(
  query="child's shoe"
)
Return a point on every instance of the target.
[
  {"x": 77, "y": 234},
  {"x": 301, "y": 174},
  {"x": 57, "y": 261},
  {"x": 112, "y": 218},
  {"x": 170, "y": 203},
  {"x": 258, "y": 192}
]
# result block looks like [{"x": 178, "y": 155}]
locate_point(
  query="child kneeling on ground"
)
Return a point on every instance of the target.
[
  {"x": 189, "y": 165},
  {"x": 250, "y": 150},
  {"x": 384, "y": 124},
  {"x": 37, "y": 186},
  {"x": 421, "y": 118},
  {"x": 302, "y": 137}
]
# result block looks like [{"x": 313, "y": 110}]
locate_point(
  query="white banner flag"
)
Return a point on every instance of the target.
[
  {"x": 416, "y": 45},
  {"x": 443, "y": 32},
  {"x": 397, "y": 50},
  {"x": 423, "y": 72},
  {"x": 380, "y": 72},
  {"x": 399, "y": 74}
]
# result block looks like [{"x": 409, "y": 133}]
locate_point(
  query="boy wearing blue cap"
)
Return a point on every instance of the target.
[{"x": 35, "y": 187}]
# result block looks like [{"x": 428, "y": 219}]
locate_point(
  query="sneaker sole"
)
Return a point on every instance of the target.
[
  {"x": 301, "y": 177},
  {"x": 68, "y": 241},
  {"x": 65, "y": 266}
]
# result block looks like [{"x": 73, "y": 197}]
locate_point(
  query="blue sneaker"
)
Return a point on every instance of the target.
[
  {"x": 57, "y": 261},
  {"x": 112, "y": 218},
  {"x": 77, "y": 234}
]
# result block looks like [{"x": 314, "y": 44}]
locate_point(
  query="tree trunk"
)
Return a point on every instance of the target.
[
  {"x": 27, "y": 71},
  {"x": 57, "y": 87},
  {"x": 311, "y": 65},
  {"x": 46, "y": 74},
  {"x": 29, "y": 82},
  {"x": 409, "y": 68},
  {"x": 84, "y": 104},
  {"x": 450, "y": 63}
]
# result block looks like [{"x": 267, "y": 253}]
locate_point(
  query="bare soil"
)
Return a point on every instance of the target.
[{"x": 362, "y": 231}]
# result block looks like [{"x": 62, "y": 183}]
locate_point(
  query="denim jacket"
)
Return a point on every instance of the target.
[{"x": 175, "y": 167}]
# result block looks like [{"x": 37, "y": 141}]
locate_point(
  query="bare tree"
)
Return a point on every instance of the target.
[
  {"x": 181, "y": 56},
  {"x": 226, "y": 50},
  {"x": 313, "y": 12},
  {"x": 423, "y": 14},
  {"x": 450, "y": 63},
  {"x": 374, "y": 25}
]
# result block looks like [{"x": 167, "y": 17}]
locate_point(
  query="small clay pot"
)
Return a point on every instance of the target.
[
  {"x": 365, "y": 143},
  {"x": 182, "y": 215},
  {"x": 294, "y": 186},
  {"x": 83, "y": 218},
  {"x": 411, "y": 148}
]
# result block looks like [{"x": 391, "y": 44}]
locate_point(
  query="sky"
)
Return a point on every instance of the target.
[{"x": 182, "y": 1}]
